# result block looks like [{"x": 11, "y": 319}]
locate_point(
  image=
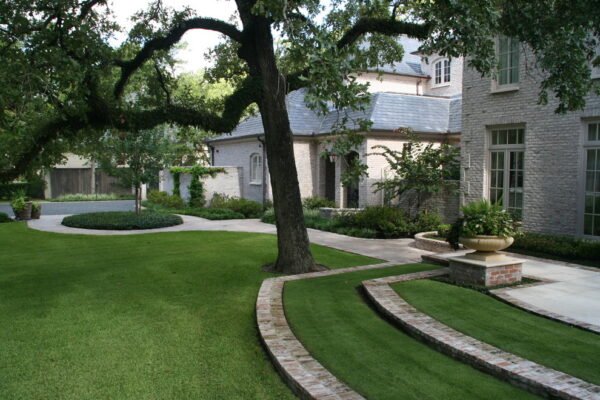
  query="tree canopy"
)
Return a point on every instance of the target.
[{"x": 62, "y": 77}]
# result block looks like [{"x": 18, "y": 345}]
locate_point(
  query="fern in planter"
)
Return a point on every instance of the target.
[{"x": 482, "y": 218}]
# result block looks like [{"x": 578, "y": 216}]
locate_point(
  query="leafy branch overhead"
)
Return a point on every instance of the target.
[{"x": 72, "y": 80}]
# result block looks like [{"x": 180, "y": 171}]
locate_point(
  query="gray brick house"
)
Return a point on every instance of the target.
[
  {"x": 541, "y": 165},
  {"x": 420, "y": 94}
]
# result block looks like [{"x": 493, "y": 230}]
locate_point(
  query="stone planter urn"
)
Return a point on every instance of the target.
[
  {"x": 36, "y": 212},
  {"x": 25, "y": 213},
  {"x": 485, "y": 246},
  {"x": 485, "y": 266}
]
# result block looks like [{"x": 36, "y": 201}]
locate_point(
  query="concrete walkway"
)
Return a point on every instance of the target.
[
  {"x": 396, "y": 250},
  {"x": 574, "y": 292}
]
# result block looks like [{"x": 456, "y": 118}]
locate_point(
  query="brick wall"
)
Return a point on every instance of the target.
[{"x": 553, "y": 196}]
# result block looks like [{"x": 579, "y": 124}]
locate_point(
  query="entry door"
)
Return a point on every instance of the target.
[{"x": 329, "y": 180}]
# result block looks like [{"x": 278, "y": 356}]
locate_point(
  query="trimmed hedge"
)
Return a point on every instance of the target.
[
  {"x": 316, "y": 202},
  {"x": 4, "y": 218},
  {"x": 33, "y": 189},
  {"x": 370, "y": 223},
  {"x": 249, "y": 208},
  {"x": 122, "y": 220},
  {"x": 164, "y": 199},
  {"x": 211, "y": 213},
  {"x": 562, "y": 247}
]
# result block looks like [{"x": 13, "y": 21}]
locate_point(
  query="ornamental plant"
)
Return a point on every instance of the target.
[
  {"x": 19, "y": 203},
  {"x": 482, "y": 218}
]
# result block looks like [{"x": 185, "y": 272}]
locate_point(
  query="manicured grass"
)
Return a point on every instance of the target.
[
  {"x": 156, "y": 316},
  {"x": 546, "y": 342},
  {"x": 122, "y": 220},
  {"x": 375, "y": 358}
]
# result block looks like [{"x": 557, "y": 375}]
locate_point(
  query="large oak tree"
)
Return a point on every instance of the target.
[{"x": 61, "y": 77}]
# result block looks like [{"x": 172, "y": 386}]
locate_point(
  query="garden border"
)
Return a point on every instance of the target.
[
  {"x": 301, "y": 372},
  {"x": 509, "y": 367}
]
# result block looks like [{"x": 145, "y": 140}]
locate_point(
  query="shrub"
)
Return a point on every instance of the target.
[
  {"x": 164, "y": 199},
  {"x": 482, "y": 218},
  {"x": 316, "y": 202},
  {"x": 443, "y": 229},
  {"x": 559, "y": 246},
  {"x": 34, "y": 188},
  {"x": 4, "y": 218},
  {"x": 425, "y": 222},
  {"x": 122, "y": 220},
  {"x": 268, "y": 216},
  {"x": 19, "y": 202},
  {"x": 92, "y": 197},
  {"x": 249, "y": 208},
  {"x": 211, "y": 213},
  {"x": 388, "y": 222}
]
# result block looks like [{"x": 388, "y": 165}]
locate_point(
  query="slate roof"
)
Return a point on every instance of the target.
[
  {"x": 410, "y": 64},
  {"x": 386, "y": 111}
]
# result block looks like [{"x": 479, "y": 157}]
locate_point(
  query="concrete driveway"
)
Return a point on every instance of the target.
[{"x": 77, "y": 207}]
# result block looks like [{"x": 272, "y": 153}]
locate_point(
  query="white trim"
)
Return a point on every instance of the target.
[
  {"x": 255, "y": 171},
  {"x": 585, "y": 145},
  {"x": 507, "y": 87}
]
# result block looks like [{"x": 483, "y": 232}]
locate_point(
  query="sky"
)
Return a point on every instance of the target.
[{"x": 197, "y": 41}]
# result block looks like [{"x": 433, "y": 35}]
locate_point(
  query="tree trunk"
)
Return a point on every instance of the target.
[
  {"x": 137, "y": 199},
  {"x": 294, "y": 255}
]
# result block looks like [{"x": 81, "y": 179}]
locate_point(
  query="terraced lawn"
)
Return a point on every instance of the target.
[
  {"x": 158, "y": 316},
  {"x": 546, "y": 342},
  {"x": 341, "y": 331}
]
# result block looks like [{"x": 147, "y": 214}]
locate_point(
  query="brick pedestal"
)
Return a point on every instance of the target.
[{"x": 485, "y": 269}]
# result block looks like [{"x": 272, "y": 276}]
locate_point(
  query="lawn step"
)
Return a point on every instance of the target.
[
  {"x": 516, "y": 370},
  {"x": 305, "y": 375}
]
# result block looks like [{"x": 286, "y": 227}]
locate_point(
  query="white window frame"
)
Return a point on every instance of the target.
[
  {"x": 497, "y": 87},
  {"x": 588, "y": 145},
  {"x": 596, "y": 70},
  {"x": 445, "y": 78},
  {"x": 256, "y": 167},
  {"x": 506, "y": 149}
]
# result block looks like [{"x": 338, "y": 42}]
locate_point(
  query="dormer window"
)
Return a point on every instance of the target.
[{"x": 441, "y": 72}]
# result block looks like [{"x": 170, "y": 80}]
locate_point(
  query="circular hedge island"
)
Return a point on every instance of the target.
[{"x": 122, "y": 220}]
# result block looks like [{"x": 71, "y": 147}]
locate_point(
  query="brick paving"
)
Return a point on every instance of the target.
[
  {"x": 307, "y": 378},
  {"x": 516, "y": 370}
]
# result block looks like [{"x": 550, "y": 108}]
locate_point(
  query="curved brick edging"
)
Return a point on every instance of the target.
[
  {"x": 305, "y": 375},
  {"x": 505, "y": 296},
  {"x": 437, "y": 246},
  {"x": 516, "y": 370}
]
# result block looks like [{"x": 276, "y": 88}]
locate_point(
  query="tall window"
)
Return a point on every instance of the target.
[
  {"x": 441, "y": 72},
  {"x": 507, "y": 158},
  {"x": 591, "y": 215},
  {"x": 508, "y": 61},
  {"x": 256, "y": 170}
]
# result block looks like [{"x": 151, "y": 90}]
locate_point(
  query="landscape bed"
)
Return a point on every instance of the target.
[{"x": 122, "y": 220}]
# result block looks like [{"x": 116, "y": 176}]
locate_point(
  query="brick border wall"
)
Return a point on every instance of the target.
[
  {"x": 509, "y": 367},
  {"x": 303, "y": 374}
]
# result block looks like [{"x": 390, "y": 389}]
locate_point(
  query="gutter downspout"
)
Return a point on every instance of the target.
[{"x": 264, "y": 169}]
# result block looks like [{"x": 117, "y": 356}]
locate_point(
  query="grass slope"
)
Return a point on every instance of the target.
[
  {"x": 546, "y": 342},
  {"x": 340, "y": 330},
  {"x": 158, "y": 316}
]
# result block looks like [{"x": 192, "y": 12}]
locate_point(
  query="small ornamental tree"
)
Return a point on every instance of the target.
[
  {"x": 135, "y": 158},
  {"x": 419, "y": 170}
]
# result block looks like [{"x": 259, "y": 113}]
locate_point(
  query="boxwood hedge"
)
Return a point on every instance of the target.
[{"x": 122, "y": 220}]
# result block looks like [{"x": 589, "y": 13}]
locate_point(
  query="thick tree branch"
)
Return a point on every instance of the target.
[
  {"x": 169, "y": 40},
  {"x": 362, "y": 27},
  {"x": 382, "y": 26},
  {"x": 87, "y": 6},
  {"x": 100, "y": 116}
]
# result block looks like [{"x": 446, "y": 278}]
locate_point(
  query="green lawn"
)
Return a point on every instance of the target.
[
  {"x": 546, "y": 342},
  {"x": 375, "y": 358},
  {"x": 157, "y": 316}
]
